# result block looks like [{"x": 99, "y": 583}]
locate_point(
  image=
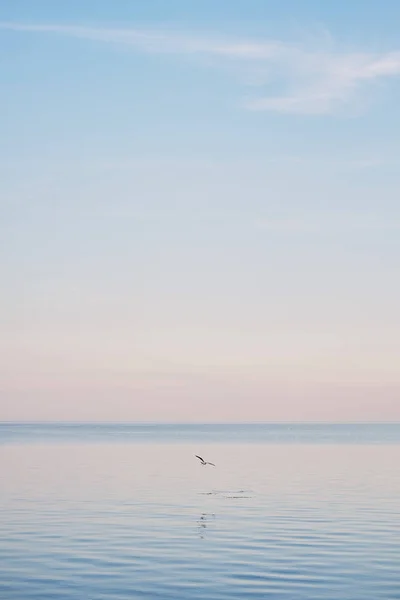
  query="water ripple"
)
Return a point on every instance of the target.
[{"x": 195, "y": 534}]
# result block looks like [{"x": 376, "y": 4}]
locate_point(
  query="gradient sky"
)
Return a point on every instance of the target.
[{"x": 200, "y": 210}]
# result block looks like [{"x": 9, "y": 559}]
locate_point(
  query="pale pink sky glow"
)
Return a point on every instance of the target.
[{"x": 198, "y": 223}]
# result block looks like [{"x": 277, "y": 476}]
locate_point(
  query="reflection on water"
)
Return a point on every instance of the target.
[
  {"x": 203, "y": 522},
  {"x": 121, "y": 521}
]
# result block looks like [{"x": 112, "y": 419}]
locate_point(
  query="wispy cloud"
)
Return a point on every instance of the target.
[
  {"x": 323, "y": 81},
  {"x": 312, "y": 81},
  {"x": 160, "y": 41}
]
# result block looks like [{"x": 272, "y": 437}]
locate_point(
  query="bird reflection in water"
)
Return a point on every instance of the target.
[{"x": 203, "y": 522}]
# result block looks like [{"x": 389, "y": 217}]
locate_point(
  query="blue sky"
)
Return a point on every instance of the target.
[{"x": 200, "y": 214}]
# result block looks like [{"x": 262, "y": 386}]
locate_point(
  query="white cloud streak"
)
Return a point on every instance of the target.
[{"x": 314, "y": 82}]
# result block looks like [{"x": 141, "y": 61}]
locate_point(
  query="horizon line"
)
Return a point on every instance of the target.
[{"x": 202, "y": 423}]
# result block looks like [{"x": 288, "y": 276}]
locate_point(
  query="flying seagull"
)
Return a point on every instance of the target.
[{"x": 204, "y": 462}]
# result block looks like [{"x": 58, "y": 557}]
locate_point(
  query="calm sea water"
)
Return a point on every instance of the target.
[{"x": 296, "y": 512}]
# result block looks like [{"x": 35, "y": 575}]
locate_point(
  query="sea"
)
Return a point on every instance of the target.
[{"x": 126, "y": 511}]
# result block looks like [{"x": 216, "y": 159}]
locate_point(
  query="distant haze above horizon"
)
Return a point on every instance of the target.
[{"x": 200, "y": 216}]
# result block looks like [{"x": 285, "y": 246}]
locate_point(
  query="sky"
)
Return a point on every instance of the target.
[{"x": 200, "y": 215}]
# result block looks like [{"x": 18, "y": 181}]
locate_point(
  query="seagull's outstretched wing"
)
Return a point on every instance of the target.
[
  {"x": 212, "y": 464},
  {"x": 202, "y": 459}
]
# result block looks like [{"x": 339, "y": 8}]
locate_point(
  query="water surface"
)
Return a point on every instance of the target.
[{"x": 295, "y": 512}]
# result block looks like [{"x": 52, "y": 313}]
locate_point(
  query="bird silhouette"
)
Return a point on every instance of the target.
[{"x": 204, "y": 462}]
